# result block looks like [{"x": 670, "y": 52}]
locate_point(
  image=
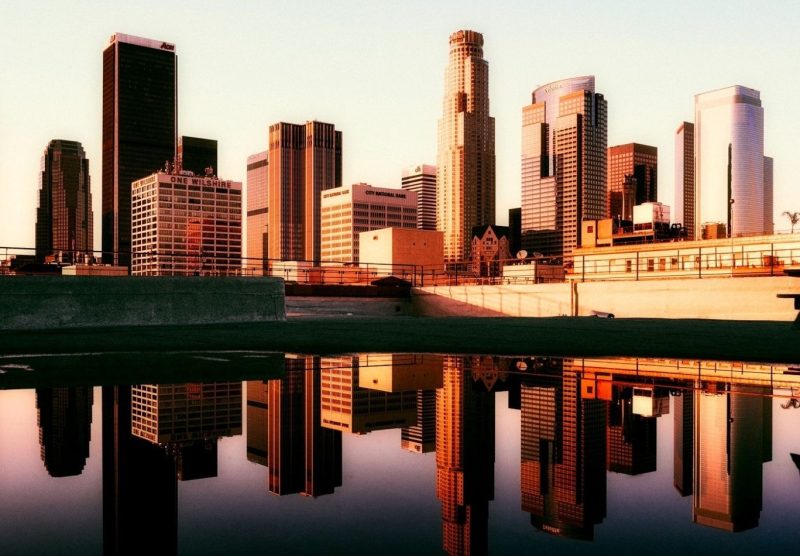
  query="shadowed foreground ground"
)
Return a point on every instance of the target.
[{"x": 759, "y": 341}]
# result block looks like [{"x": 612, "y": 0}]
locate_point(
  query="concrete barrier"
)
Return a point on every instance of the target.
[
  {"x": 49, "y": 302},
  {"x": 712, "y": 298}
]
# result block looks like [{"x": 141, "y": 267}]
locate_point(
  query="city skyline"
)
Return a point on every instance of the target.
[{"x": 237, "y": 112}]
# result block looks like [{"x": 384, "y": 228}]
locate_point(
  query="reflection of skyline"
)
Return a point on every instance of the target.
[
  {"x": 631, "y": 438},
  {"x": 64, "y": 416},
  {"x": 257, "y": 416},
  {"x": 563, "y": 449},
  {"x": 465, "y": 434}
]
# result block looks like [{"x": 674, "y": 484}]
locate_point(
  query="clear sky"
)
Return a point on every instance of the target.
[{"x": 376, "y": 70}]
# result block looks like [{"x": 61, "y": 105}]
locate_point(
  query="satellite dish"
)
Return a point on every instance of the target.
[{"x": 522, "y": 254}]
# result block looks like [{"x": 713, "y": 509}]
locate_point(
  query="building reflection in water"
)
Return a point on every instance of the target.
[
  {"x": 153, "y": 436},
  {"x": 257, "y": 421},
  {"x": 563, "y": 437},
  {"x": 303, "y": 457},
  {"x": 733, "y": 438},
  {"x": 465, "y": 418},
  {"x": 64, "y": 416}
]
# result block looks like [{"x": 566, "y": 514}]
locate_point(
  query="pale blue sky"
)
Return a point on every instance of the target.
[{"x": 376, "y": 70}]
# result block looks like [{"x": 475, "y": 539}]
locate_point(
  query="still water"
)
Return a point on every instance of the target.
[{"x": 399, "y": 454}]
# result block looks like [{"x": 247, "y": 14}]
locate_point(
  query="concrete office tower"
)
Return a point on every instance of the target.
[
  {"x": 257, "y": 213},
  {"x": 197, "y": 155},
  {"x": 64, "y": 216},
  {"x": 347, "y": 211},
  {"x": 465, "y": 178},
  {"x": 685, "y": 191},
  {"x": 140, "y": 119},
  {"x": 632, "y": 178},
  {"x": 564, "y": 138},
  {"x": 304, "y": 161},
  {"x": 421, "y": 179},
  {"x": 729, "y": 161},
  {"x": 186, "y": 226}
]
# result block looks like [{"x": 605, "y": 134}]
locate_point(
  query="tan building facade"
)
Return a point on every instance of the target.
[
  {"x": 465, "y": 179},
  {"x": 401, "y": 251},
  {"x": 347, "y": 211},
  {"x": 186, "y": 226}
]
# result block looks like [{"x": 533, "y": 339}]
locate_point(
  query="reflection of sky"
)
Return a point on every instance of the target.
[{"x": 386, "y": 504}]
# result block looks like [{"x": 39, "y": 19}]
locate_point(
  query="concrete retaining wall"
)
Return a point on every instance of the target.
[
  {"x": 47, "y": 302},
  {"x": 713, "y": 298},
  {"x": 312, "y": 306}
]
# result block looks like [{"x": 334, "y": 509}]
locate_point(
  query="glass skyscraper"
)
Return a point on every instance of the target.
[
  {"x": 564, "y": 138},
  {"x": 729, "y": 162},
  {"x": 140, "y": 118}
]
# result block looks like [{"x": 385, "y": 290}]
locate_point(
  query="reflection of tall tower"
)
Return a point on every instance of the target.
[
  {"x": 683, "y": 438},
  {"x": 728, "y": 474},
  {"x": 464, "y": 457},
  {"x": 631, "y": 438},
  {"x": 65, "y": 417},
  {"x": 135, "y": 470},
  {"x": 563, "y": 456},
  {"x": 303, "y": 456},
  {"x": 257, "y": 421},
  {"x": 188, "y": 419},
  {"x": 465, "y": 180}
]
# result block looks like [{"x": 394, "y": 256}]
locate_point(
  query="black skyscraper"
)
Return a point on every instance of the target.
[
  {"x": 139, "y": 128},
  {"x": 196, "y": 154}
]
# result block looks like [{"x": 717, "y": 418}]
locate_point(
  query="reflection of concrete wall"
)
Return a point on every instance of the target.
[
  {"x": 717, "y": 298},
  {"x": 40, "y": 302}
]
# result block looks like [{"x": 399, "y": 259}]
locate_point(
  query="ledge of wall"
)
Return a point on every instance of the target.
[{"x": 50, "y": 302}]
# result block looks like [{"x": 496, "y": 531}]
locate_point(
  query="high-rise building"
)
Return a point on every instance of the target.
[
  {"x": 685, "y": 192},
  {"x": 257, "y": 421},
  {"x": 186, "y": 226},
  {"x": 729, "y": 161},
  {"x": 769, "y": 225},
  {"x": 140, "y": 119},
  {"x": 514, "y": 230},
  {"x": 631, "y": 439},
  {"x": 197, "y": 155},
  {"x": 64, "y": 216},
  {"x": 564, "y": 138},
  {"x": 257, "y": 213},
  {"x": 421, "y": 179},
  {"x": 465, "y": 177},
  {"x": 683, "y": 440},
  {"x": 349, "y": 210},
  {"x": 304, "y": 161},
  {"x": 632, "y": 178},
  {"x": 421, "y": 438}
]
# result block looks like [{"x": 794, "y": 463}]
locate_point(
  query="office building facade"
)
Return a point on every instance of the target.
[
  {"x": 465, "y": 177},
  {"x": 64, "y": 216},
  {"x": 729, "y": 161},
  {"x": 685, "y": 193},
  {"x": 421, "y": 179},
  {"x": 186, "y": 226},
  {"x": 140, "y": 118},
  {"x": 564, "y": 138},
  {"x": 257, "y": 213},
  {"x": 632, "y": 178},
  {"x": 304, "y": 161},
  {"x": 347, "y": 211}
]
